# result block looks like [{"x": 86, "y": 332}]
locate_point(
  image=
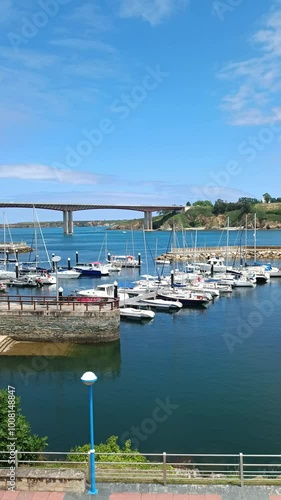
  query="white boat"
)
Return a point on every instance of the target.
[
  {"x": 7, "y": 275},
  {"x": 67, "y": 274},
  {"x": 124, "y": 261},
  {"x": 105, "y": 291},
  {"x": 186, "y": 297},
  {"x": 213, "y": 265},
  {"x": 244, "y": 281},
  {"x": 136, "y": 314},
  {"x": 162, "y": 304}
]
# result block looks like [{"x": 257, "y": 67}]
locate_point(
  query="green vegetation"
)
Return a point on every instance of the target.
[
  {"x": 110, "y": 446},
  {"x": 21, "y": 434}
]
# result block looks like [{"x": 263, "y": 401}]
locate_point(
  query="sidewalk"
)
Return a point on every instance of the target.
[{"x": 154, "y": 492}]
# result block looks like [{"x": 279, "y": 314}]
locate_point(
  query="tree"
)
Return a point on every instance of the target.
[
  {"x": 188, "y": 204},
  {"x": 203, "y": 203},
  {"x": 267, "y": 198},
  {"x": 23, "y": 438}
]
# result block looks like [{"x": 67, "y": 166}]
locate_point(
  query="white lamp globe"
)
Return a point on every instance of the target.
[{"x": 89, "y": 378}]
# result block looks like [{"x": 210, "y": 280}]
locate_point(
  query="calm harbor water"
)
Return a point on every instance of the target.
[{"x": 214, "y": 399}]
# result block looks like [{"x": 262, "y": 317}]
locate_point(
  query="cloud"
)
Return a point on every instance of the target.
[
  {"x": 30, "y": 59},
  {"x": 257, "y": 78},
  {"x": 152, "y": 11},
  {"x": 45, "y": 173}
]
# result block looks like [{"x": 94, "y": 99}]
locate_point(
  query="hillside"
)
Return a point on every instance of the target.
[{"x": 268, "y": 216}]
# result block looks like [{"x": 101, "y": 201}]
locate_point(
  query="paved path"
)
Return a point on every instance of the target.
[{"x": 154, "y": 492}]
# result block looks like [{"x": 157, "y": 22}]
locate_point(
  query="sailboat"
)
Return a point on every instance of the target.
[{"x": 5, "y": 274}]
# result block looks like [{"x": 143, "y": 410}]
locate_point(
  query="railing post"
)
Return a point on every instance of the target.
[
  {"x": 16, "y": 460},
  {"x": 89, "y": 467},
  {"x": 241, "y": 469},
  {"x": 164, "y": 468}
]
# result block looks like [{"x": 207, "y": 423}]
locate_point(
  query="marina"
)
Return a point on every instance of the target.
[{"x": 218, "y": 366}]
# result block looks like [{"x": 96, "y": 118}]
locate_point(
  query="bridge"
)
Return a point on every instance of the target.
[{"x": 68, "y": 208}]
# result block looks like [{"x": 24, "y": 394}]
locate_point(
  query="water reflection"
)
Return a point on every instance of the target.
[{"x": 28, "y": 362}]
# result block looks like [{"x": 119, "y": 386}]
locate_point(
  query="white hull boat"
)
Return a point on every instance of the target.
[
  {"x": 68, "y": 274},
  {"x": 162, "y": 304},
  {"x": 136, "y": 314}
]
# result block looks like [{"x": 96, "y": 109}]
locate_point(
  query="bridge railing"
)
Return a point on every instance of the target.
[{"x": 49, "y": 302}]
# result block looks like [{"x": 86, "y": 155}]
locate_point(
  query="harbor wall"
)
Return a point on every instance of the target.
[{"x": 61, "y": 326}]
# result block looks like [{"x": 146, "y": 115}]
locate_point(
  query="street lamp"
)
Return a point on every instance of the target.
[
  {"x": 55, "y": 260},
  {"x": 89, "y": 378}
]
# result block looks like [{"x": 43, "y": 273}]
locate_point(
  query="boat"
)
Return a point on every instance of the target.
[
  {"x": 105, "y": 291},
  {"x": 136, "y": 314},
  {"x": 26, "y": 282},
  {"x": 244, "y": 281},
  {"x": 92, "y": 269},
  {"x": 162, "y": 304},
  {"x": 213, "y": 265},
  {"x": 186, "y": 297},
  {"x": 124, "y": 261},
  {"x": 67, "y": 274}
]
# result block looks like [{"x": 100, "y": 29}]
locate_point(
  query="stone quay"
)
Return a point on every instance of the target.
[{"x": 44, "y": 319}]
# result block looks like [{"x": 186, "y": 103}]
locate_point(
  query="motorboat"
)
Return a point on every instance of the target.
[
  {"x": 162, "y": 304},
  {"x": 67, "y": 274},
  {"x": 186, "y": 297},
  {"x": 6, "y": 275},
  {"x": 105, "y": 291},
  {"x": 213, "y": 265},
  {"x": 244, "y": 281},
  {"x": 26, "y": 282},
  {"x": 136, "y": 314},
  {"x": 92, "y": 269}
]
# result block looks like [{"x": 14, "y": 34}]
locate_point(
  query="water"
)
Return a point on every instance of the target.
[{"x": 223, "y": 400}]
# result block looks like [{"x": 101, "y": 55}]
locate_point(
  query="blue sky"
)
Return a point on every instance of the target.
[{"x": 138, "y": 101}]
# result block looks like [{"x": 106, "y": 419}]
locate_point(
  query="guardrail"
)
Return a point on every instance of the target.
[
  {"x": 49, "y": 302},
  {"x": 165, "y": 468}
]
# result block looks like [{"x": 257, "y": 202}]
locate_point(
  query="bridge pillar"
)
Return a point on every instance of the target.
[
  {"x": 148, "y": 221},
  {"x": 65, "y": 221},
  {"x": 70, "y": 222}
]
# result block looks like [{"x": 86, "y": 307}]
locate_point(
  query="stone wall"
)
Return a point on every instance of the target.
[
  {"x": 61, "y": 326},
  {"x": 32, "y": 479}
]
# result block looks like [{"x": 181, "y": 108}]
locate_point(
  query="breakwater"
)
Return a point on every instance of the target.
[
  {"x": 187, "y": 254},
  {"x": 14, "y": 248}
]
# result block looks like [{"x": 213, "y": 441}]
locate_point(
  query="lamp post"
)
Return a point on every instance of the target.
[
  {"x": 89, "y": 378},
  {"x": 55, "y": 260}
]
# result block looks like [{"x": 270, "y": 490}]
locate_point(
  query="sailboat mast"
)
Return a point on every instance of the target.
[
  {"x": 227, "y": 243},
  {"x": 255, "y": 237},
  {"x": 246, "y": 238}
]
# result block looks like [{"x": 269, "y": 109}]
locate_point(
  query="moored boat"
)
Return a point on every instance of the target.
[{"x": 136, "y": 314}]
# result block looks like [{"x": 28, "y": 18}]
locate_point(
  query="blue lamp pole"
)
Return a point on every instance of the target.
[{"x": 89, "y": 378}]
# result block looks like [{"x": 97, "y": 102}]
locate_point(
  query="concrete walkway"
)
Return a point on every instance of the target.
[{"x": 155, "y": 492}]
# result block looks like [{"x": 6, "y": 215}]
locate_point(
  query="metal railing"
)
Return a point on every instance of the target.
[
  {"x": 48, "y": 302},
  {"x": 164, "y": 468}
]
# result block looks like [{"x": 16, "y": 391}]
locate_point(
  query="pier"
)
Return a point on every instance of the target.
[{"x": 69, "y": 319}]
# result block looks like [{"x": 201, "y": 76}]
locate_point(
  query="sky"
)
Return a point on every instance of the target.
[{"x": 138, "y": 102}]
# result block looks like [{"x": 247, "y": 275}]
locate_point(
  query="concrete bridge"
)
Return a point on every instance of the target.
[{"x": 68, "y": 208}]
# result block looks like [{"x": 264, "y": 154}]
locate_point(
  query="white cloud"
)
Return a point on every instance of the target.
[
  {"x": 45, "y": 173},
  {"x": 152, "y": 11},
  {"x": 258, "y": 78}
]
